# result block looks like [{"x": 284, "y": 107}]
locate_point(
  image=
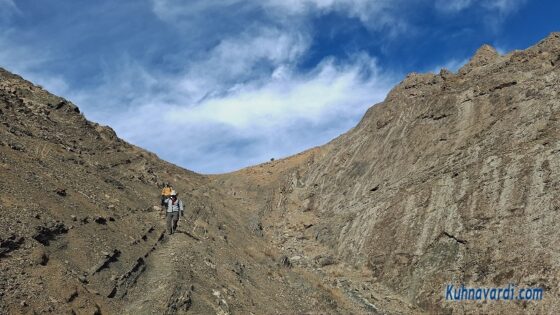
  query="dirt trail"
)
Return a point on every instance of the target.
[{"x": 153, "y": 292}]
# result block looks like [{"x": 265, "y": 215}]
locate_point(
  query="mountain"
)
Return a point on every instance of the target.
[
  {"x": 81, "y": 231},
  {"x": 453, "y": 179}
]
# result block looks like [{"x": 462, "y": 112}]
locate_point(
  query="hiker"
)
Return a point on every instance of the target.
[
  {"x": 174, "y": 210},
  {"x": 165, "y": 194}
]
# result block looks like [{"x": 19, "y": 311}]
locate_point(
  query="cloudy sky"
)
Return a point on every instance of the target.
[{"x": 214, "y": 86}]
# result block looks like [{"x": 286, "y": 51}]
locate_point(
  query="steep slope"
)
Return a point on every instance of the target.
[
  {"x": 80, "y": 232},
  {"x": 76, "y": 202},
  {"x": 453, "y": 179}
]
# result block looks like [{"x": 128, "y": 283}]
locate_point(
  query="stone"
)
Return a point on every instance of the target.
[
  {"x": 325, "y": 261},
  {"x": 70, "y": 294},
  {"x": 17, "y": 146},
  {"x": 285, "y": 262},
  {"x": 39, "y": 256}
]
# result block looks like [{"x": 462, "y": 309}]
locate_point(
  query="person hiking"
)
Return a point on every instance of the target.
[
  {"x": 174, "y": 210},
  {"x": 165, "y": 194}
]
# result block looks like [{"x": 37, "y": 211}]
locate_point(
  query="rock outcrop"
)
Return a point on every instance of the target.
[{"x": 453, "y": 179}]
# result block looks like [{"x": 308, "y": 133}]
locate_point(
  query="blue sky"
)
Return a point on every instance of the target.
[{"x": 214, "y": 86}]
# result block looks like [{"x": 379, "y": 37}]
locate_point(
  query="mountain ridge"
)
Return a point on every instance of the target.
[{"x": 446, "y": 161}]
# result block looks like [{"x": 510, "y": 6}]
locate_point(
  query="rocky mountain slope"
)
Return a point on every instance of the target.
[
  {"x": 81, "y": 232},
  {"x": 453, "y": 179}
]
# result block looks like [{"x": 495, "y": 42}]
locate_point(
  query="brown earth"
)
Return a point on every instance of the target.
[{"x": 453, "y": 179}]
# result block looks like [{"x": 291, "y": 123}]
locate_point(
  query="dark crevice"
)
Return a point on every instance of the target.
[
  {"x": 100, "y": 220},
  {"x": 435, "y": 117},
  {"x": 458, "y": 240},
  {"x": 45, "y": 234},
  {"x": 438, "y": 117},
  {"x": 104, "y": 263},
  {"x": 10, "y": 244},
  {"x": 128, "y": 280},
  {"x": 503, "y": 85}
]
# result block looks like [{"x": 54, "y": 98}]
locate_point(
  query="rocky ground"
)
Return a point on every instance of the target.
[{"x": 452, "y": 179}]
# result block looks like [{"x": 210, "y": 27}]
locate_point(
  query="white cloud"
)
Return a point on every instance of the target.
[
  {"x": 202, "y": 19},
  {"x": 502, "y": 7},
  {"x": 271, "y": 117},
  {"x": 494, "y": 11},
  {"x": 329, "y": 90},
  {"x": 172, "y": 9},
  {"x": 248, "y": 56},
  {"x": 505, "y": 6},
  {"x": 237, "y": 95},
  {"x": 375, "y": 15},
  {"x": 276, "y": 115},
  {"x": 383, "y": 15},
  {"x": 352, "y": 7},
  {"x": 453, "y": 5},
  {"x": 241, "y": 102}
]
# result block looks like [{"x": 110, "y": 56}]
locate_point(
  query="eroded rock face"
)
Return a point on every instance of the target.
[{"x": 453, "y": 179}]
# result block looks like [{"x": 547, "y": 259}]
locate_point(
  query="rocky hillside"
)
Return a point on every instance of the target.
[
  {"x": 81, "y": 233},
  {"x": 453, "y": 179}
]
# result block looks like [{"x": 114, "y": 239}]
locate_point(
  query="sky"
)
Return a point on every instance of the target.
[{"x": 214, "y": 86}]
